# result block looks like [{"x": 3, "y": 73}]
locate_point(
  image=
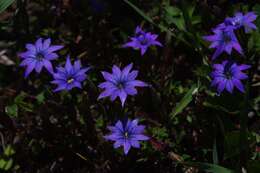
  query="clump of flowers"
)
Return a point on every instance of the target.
[
  {"x": 228, "y": 75},
  {"x": 142, "y": 40},
  {"x": 127, "y": 134},
  {"x": 70, "y": 76},
  {"x": 120, "y": 83},
  {"x": 39, "y": 55},
  {"x": 240, "y": 20},
  {"x": 224, "y": 39}
]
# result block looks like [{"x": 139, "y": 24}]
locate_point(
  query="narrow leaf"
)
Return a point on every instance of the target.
[
  {"x": 4, "y": 4},
  {"x": 149, "y": 19},
  {"x": 208, "y": 167},
  {"x": 185, "y": 101}
]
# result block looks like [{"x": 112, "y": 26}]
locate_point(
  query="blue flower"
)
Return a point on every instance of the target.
[
  {"x": 240, "y": 20},
  {"x": 142, "y": 40},
  {"x": 224, "y": 39},
  {"x": 69, "y": 76},
  {"x": 228, "y": 75},
  {"x": 127, "y": 135},
  {"x": 120, "y": 83},
  {"x": 39, "y": 55}
]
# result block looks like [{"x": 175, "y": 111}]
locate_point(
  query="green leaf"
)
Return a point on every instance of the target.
[
  {"x": 21, "y": 103},
  {"x": 2, "y": 163},
  {"x": 231, "y": 144},
  {"x": 173, "y": 11},
  {"x": 140, "y": 12},
  {"x": 256, "y": 9},
  {"x": 149, "y": 19},
  {"x": 12, "y": 110},
  {"x": 215, "y": 152},
  {"x": 8, "y": 164},
  {"x": 208, "y": 167},
  {"x": 40, "y": 98},
  {"x": 174, "y": 16},
  {"x": 219, "y": 108},
  {"x": 254, "y": 42},
  {"x": 4, "y": 4},
  {"x": 184, "y": 101},
  {"x": 9, "y": 151}
]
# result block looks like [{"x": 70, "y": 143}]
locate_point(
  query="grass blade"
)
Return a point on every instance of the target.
[
  {"x": 4, "y": 4},
  {"x": 184, "y": 101}
]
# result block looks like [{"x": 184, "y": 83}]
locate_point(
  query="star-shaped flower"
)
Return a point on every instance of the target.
[
  {"x": 69, "y": 76},
  {"x": 142, "y": 40},
  {"x": 240, "y": 20},
  {"x": 224, "y": 39},
  {"x": 228, "y": 75},
  {"x": 120, "y": 83},
  {"x": 127, "y": 134},
  {"x": 39, "y": 55}
]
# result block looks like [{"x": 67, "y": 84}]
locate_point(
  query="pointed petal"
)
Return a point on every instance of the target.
[
  {"x": 27, "y": 61},
  {"x": 122, "y": 96},
  {"x": 118, "y": 143},
  {"x": 132, "y": 75},
  {"x": 143, "y": 50},
  {"x": 46, "y": 43},
  {"x": 130, "y": 90},
  {"x": 238, "y": 85},
  {"x": 38, "y": 66},
  {"x": 219, "y": 50},
  {"x": 31, "y": 48},
  {"x": 127, "y": 147},
  {"x": 48, "y": 66},
  {"x": 244, "y": 67},
  {"x": 108, "y": 76},
  {"x": 221, "y": 86},
  {"x": 126, "y": 70},
  {"x": 119, "y": 126},
  {"x": 135, "y": 143},
  {"x": 141, "y": 137},
  {"x": 137, "y": 83},
  {"x": 116, "y": 71},
  {"x": 51, "y": 56},
  {"x": 38, "y": 45},
  {"x": 68, "y": 65},
  {"x": 238, "y": 48},
  {"x": 60, "y": 87},
  {"x": 54, "y": 48},
  {"x": 229, "y": 86},
  {"x": 29, "y": 69}
]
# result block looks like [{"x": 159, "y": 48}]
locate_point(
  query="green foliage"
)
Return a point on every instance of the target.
[
  {"x": 4, "y": 4},
  {"x": 207, "y": 167},
  {"x": 160, "y": 133},
  {"x": 40, "y": 98},
  {"x": 190, "y": 125},
  {"x": 184, "y": 101},
  {"x": 20, "y": 103},
  {"x": 6, "y": 161},
  {"x": 174, "y": 15},
  {"x": 12, "y": 110}
]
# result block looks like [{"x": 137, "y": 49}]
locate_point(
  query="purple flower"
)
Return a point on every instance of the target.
[
  {"x": 127, "y": 135},
  {"x": 120, "y": 83},
  {"x": 39, "y": 55},
  {"x": 142, "y": 40},
  {"x": 240, "y": 20},
  {"x": 224, "y": 39},
  {"x": 227, "y": 75},
  {"x": 69, "y": 76}
]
